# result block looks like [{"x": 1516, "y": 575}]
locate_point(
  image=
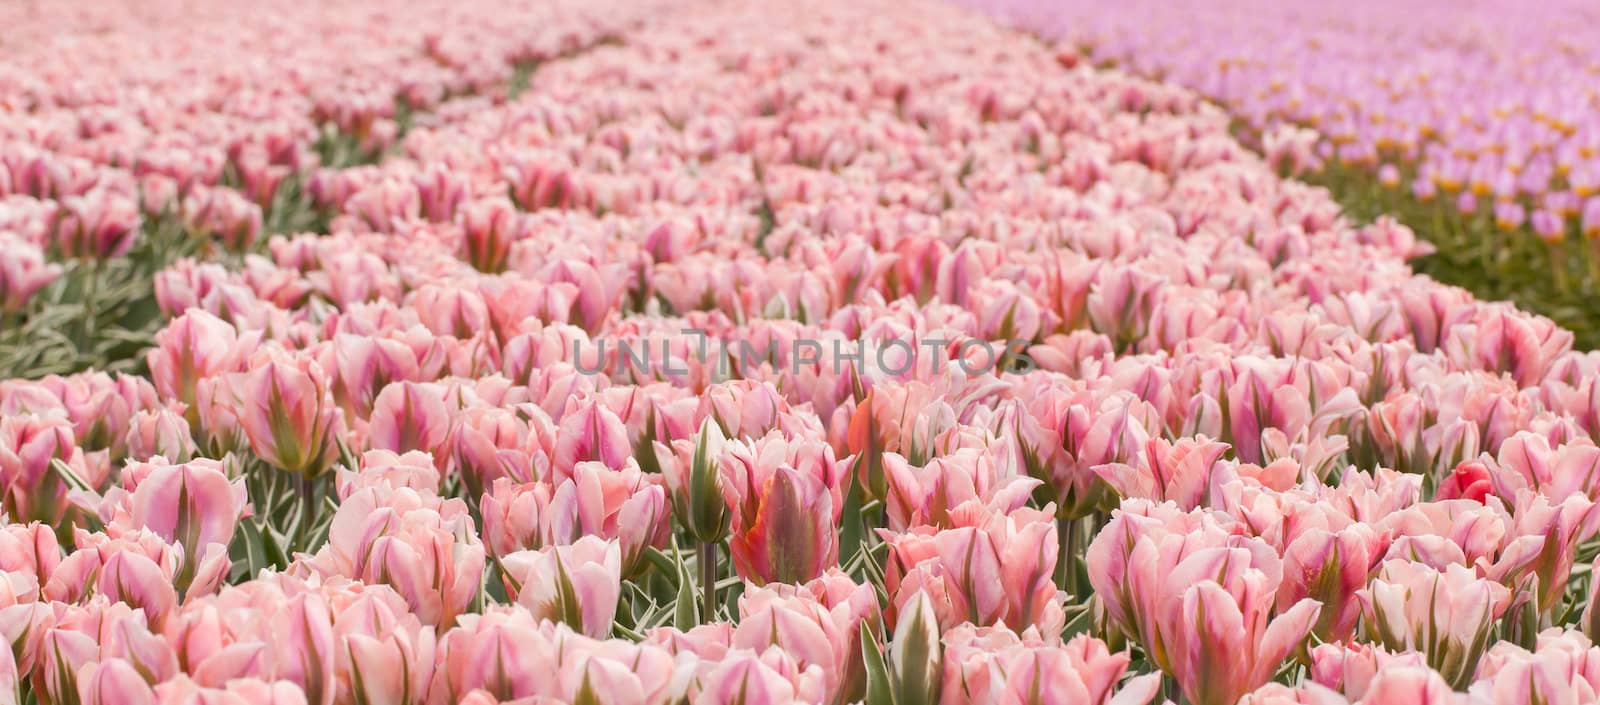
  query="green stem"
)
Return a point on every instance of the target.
[
  {"x": 1067, "y": 574},
  {"x": 708, "y": 581},
  {"x": 308, "y": 511},
  {"x": 90, "y": 304}
]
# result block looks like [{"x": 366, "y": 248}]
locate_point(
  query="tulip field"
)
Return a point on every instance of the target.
[
  {"x": 700, "y": 352},
  {"x": 1475, "y": 120}
]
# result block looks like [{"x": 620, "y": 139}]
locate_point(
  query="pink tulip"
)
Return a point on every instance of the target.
[
  {"x": 194, "y": 505},
  {"x": 745, "y": 677},
  {"x": 1526, "y": 461},
  {"x": 489, "y": 227},
  {"x": 1349, "y": 668},
  {"x": 784, "y": 499},
  {"x": 1169, "y": 577},
  {"x": 577, "y": 584},
  {"x": 422, "y": 546},
  {"x": 1411, "y": 684},
  {"x": 490, "y": 444},
  {"x": 1064, "y": 435},
  {"x": 228, "y": 215},
  {"x": 515, "y": 517},
  {"x": 408, "y": 416},
  {"x": 386, "y": 471},
  {"x": 599, "y": 501},
  {"x": 1002, "y": 571},
  {"x": 31, "y": 550},
  {"x": 1445, "y": 614},
  {"x": 393, "y": 667},
  {"x": 1121, "y": 303},
  {"x": 32, "y": 489},
  {"x": 1563, "y": 667},
  {"x": 1181, "y": 472},
  {"x": 589, "y": 431},
  {"x": 23, "y": 272},
  {"x": 1547, "y": 537},
  {"x": 1506, "y": 342},
  {"x": 1080, "y": 672},
  {"x": 966, "y": 482},
  {"x": 99, "y": 225},
  {"x": 113, "y": 682},
  {"x": 819, "y": 622},
  {"x": 162, "y": 432},
  {"x": 502, "y": 651},
  {"x": 284, "y": 406},
  {"x": 1305, "y": 694},
  {"x": 1330, "y": 567}
]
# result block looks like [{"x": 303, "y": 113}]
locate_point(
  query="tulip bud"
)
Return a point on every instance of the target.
[
  {"x": 695, "y": 484},
  {"x": 1591, "y": 611},
  {"x": 916, "y": 657}
]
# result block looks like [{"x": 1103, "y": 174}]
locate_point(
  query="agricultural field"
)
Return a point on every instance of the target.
[
  {"x": 1476, "y": 122},
  {"x": 635, "y": 352}
]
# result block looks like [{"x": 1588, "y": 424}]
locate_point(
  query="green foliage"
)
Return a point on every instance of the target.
[
  {"x": 1558, "y": 280},
  {"x": 99, "y": 314}
]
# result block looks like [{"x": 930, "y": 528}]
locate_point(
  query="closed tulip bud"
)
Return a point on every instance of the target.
[
  {"x": 695, "y": 484},
  {"x": 1591, "y": 610},
  {"x": 916, "y": 655}
]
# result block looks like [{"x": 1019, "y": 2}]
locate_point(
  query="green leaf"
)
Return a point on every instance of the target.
[
  {"x": 878, "y": 689},
  {"x": 853, "y": 526},
  {"x": 686, "y": 612}
]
